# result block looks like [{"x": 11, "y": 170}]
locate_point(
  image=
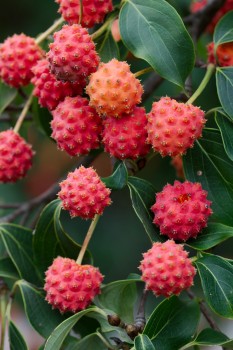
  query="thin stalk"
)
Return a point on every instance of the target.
[
  {"x": 210, "y": 70},
  {"x": 3, "y": 307},
  {"x": 87, "y": 239},
  {"x": 80, "y": 12},
  {"x": 102, "y": 29},
  {"x": 23, "y": 113},
  {"x": 106, "y": 343},
  {"x": 49, "y": 31},
  {"x": 143, "y": 71}
]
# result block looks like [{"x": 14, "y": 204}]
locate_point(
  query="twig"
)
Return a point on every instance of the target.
[
  {"x": 9, "y": 118},
  {"x": 150, "y": 84},
  {"x": 140, "y": 319}
]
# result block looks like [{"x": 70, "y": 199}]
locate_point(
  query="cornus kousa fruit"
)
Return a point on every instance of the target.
[
  {"x": 182, "y": 210},
  {"x": 93, "y": 11},
  {"x": 18, "y": 54},
  {"x": 15, "y": 156},
  {"x": 51, "y": 91},
  {"x": 166, "y": 269},
  {"x": 173, "y": 127},
  {"x": 113, "y": 89},
  {"x": 126, "y": 137},
  {"x": 72, "y": 55},
  {"x": 70, "y": 286},
  {"x": 76, "y": 126},
  {"x": 83, "y": 194},
  {"x": 223, "y": 56}
]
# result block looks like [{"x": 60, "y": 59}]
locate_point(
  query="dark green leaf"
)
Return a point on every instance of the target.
[
  {"x": 7, "y": 95},
  {"x": 217, "y": 281},
  {"x": 143, "y": 342},
  {"x": 107, "y": 47},
  {"x": 42, "y": 117},
  {"x": 209, "y": 337},
  {"x": 16, "y": 339},
  {"x": 7, "y": 269},
  {"x": 226, "y": 129},
  {"x": 223, "y": 32},
  {"x": 90, "y": 342},
  {"x": 142, "y": 194},
  {"x": 118, "y": 179},
  {"x": 224, "y": 78},
  {"x": 172, "y": 324},
  {"x": 153, "y": 30}
]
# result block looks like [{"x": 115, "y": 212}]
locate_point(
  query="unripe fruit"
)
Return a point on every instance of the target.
[
  {"x": 166, "y": 269},
  {"x": 83, "y": 194},
  {"x": 173, "y": 127},
  {"x": 113, "y": 89},
  {"x": 15, "y": 156},
  {"x": 72, "y": 55},
  {"x": 224, "y": 54},
  {"x": 70, "y": 286},
  {"x": 182, "y": 210},
  {"x": 18, "y": 54},
  {"x": 76, "y": 126}
]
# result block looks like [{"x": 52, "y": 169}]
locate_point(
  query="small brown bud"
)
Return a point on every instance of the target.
[{"x": 114, "y": 320}]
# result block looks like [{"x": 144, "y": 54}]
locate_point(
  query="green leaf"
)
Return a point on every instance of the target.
[
  {"x": 18, "y": 244},
  {"x": 7, "y": 269},
  {"x": 39, "y": 313},
  {"x": 90, "y": 342},
  {"x": 142, "y": 194},
  {"x": 172, "y": 324},
  {"x": 226, "y": 129},
  {"x": 209, "y": 164},
  {"x": 7, "y": 95},
  {"x": 42, "y": 117},
  {"x": 153, "y": 30},
  {"x": 209, "y": 337},
  {"x": 224, "y": 79},
  {"x": 216, "y": 275},
  {"x": 118, "y": 179},
  {"x": 16, "y": 339},
  {"x": 107, "y": 47},
  {"x": 214, "y": 234},
  {"x": 223, "y": 32},
  {"x": 143, "y": 342}
]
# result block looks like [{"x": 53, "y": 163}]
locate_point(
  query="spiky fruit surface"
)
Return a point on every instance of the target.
[
  {"x": 126, "y": 137},
  {"x": 113, "y": 89},
  {"x": 83, "y": 193},
  {"x": 197, "y": 5},
  {"x": 173, "y": 127},
  {"x": 51, "y": 91},
  {"x": 18, "y": 54},
  {"x": 181, "y": 210},
  {"x": 15, "y": 156},
  {"x": 76, "y": 126},
  {"x": 166, "y": 269},
  {"x": 72, "y": 55},
  {"x": 70, "y": 286},
  {"x": 224, "y": 54},
  {"x": 94, "y": 11}
]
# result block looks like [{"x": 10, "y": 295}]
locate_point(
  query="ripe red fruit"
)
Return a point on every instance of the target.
[
  {"x": 224, "y": 54},
  {"x": 72, "y": 55},
  {"x": 126, "y": 137},
  {"x": 18, "y": 54},
  {"x": 166, "y": 269},
  {"x": 94, "y": 11},
  {"x": 83, "y": 193},
  {"x": 76, "y": 126},
  {"x": 70, "y": 286},
  {"x": 173, "y": 127},
  {"x": 113, "y": 89},
  {"x": 182, "y": 210},
  {"x": 15, "y": 156}
]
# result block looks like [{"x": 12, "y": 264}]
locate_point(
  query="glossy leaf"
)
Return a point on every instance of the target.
[
  {"x": 16, "y": 339},
  {"x": 7, "y": 95},
  {"x": 91, "y": 341},
  {"x": 143, "y": 342},
  {"x": 172, "y": 324},
  {"x": 107, "y": 48},
  {"x": 142, "y": 194},
  {"x": 153, "y": 30},
  {"x": 224, "y": 79},
  {"x": 216, "y": 275},
  {"x": 209, "y": 337},
  {"x": 223, "y": 32},
  {"x": 118, "y": 179},
  {"x": 226, "y": 129},
  {"x": 8, "y": 269}
]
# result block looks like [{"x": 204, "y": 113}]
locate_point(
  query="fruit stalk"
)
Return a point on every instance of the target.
[
  {"x": 23, "y": 113},
  {"x": 143, "y": 71},
  {"x": 49, "y": 31},
  {"x": 80, "y": 12}
]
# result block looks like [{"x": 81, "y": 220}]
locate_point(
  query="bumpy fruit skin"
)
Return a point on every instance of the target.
[
  {"x": 49, "y": 90},
  {"x": 166, "y": 269},
  {"x": 181, "y": 210},
  {"x": 94, "y": 11},
  {"x": 197, "y": 5},
  {"x": 83, "y": 194},
  {"x": 18, "y": 54},
  {"x": 72, "y": 55},
  {"x": 173, "y": 127},
  {"x": 70, "y": 286},
  {"x": 15, "y": 156},
  {"x": 113, "y": 89},
  {"x": 126, "y": 137},
  {"x": 76, "y": 126},
  {"x": 224, "y": 54}
]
